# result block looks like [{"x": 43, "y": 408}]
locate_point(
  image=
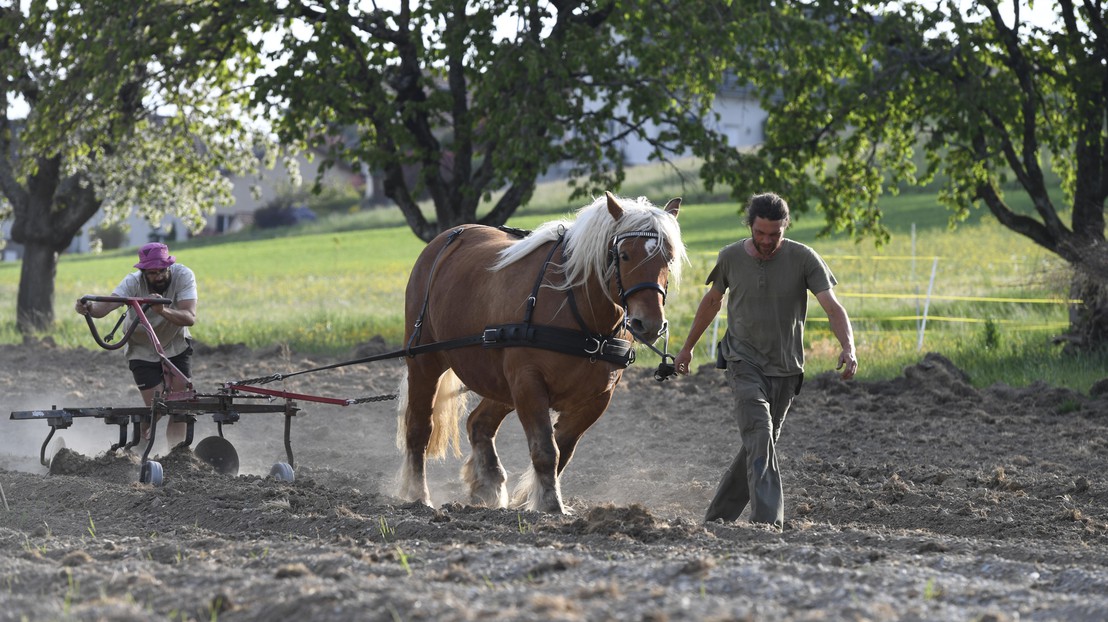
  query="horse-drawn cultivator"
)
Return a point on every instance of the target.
[{"x": 226, "y": 406}]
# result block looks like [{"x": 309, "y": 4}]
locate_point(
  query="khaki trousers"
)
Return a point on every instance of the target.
[{"x": 761, "y": 403}]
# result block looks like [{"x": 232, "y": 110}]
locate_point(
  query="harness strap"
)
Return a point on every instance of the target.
[
  {"x": 564, "y": 340},
  {"x": 460, "y": 342},
  {"x": 572, "y": 300},
  {"x": 418, "y": 326},
  {"x": 538, "y": 281},
  {"x": 567, "y": 341}
]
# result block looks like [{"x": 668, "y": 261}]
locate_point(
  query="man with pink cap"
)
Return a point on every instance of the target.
[{"x": 158, "y": 276}]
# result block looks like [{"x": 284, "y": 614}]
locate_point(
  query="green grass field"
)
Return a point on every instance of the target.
[{"x": 995, "y": 300}]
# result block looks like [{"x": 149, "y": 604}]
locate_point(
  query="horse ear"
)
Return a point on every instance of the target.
[
  {"x": 614, "y": 208},
  {"x": 673, "y": 207}
]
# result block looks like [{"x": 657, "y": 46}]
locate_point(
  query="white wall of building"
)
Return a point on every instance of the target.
[{"x": 741, "y": 119}]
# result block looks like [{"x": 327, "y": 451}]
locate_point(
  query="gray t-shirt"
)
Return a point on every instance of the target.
[
  {"x": 767, "y": 304},
  {"x": 182, "y": 286}
]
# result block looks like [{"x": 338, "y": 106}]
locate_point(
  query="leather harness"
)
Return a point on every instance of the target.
[{"x": 584, "y": 342}]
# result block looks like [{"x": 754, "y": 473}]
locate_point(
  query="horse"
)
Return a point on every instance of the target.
[{"x": 553, "y": 321}]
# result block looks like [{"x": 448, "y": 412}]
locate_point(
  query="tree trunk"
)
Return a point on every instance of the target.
[
  {"x": 35, "y": 307},
  {"x": 48, "y": 213},
  {"x": 1088, "y": 320}
]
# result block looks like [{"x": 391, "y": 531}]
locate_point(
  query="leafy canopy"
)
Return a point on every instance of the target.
[
  {"x": 442, "y": 104},
  {"x": 145, "y": 103},
  {"x": 858, "y": 91}
]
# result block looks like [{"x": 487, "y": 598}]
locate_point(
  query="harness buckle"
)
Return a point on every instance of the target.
[
  {"x": 491, "y": 335},
  {"x": 595, "y": 349}
]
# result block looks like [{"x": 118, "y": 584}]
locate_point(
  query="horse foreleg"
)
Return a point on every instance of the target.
[
  {"x": 538, "y": 489},
  {"x": 482, "y": 472},
  {"x": 572, "y": 424}
]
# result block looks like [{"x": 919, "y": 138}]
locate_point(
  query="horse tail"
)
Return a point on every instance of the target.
[{"x": 448, "y": 408}]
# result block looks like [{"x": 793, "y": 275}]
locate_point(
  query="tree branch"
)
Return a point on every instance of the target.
[{"x": 1023, "y": 225}]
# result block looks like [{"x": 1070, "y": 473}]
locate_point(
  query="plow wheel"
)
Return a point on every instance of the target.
[
  {"x": 151, "y": 473},
  {"x": 283, "y": 472}
]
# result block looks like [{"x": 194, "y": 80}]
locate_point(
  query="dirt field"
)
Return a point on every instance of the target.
[{"x": 920, "y": 498}]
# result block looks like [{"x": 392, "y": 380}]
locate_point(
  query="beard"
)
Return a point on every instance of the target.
[
  {"x": 159, "y": 287},
  {"x": 766, "y": 250}
]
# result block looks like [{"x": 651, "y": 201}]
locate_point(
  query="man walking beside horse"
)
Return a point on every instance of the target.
[{"x": 767, "y": 279}]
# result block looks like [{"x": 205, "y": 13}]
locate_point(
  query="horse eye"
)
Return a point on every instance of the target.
[{"x": 623, "y": 256}]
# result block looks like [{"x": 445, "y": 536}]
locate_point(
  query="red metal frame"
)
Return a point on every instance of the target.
[{"x": 137, "y": 304}]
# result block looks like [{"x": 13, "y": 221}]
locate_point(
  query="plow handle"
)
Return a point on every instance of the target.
[{"x": 145, "y": 302}]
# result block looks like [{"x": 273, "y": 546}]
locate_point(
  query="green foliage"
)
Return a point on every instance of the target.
[
  {"x": 932, "y": 590},
  {"x": 990, "y": 338},
  {"x": 385, "y": 530},
  {"x": 108, "y": 237},
  {"x": 868, "y": 98},
  {"x": 445, "y": 107},
  {"x": 1068, "y": 406},
  {"x": 403, "y": 558},
  {"x": 140, "y": 100}
]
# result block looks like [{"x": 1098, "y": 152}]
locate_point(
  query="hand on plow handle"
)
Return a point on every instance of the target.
[{"x": 140, "y": 305}]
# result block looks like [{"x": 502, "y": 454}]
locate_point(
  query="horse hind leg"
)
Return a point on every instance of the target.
[
  {"x": 483, "y": 472},
  {"x": 427, "y": 426}
]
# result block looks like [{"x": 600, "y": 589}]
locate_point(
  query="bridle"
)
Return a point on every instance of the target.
[
  {"x": 665, "y": 368},
  {"x": 613, "y": 258}
]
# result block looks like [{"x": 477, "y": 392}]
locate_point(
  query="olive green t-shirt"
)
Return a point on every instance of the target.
[{"x": 767, "y": 303}]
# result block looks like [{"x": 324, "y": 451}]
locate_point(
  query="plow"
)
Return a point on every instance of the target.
[{"x": 225, "y": 407}]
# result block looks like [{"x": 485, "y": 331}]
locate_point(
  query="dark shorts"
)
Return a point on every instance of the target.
[{"x": 149, "y": 374}]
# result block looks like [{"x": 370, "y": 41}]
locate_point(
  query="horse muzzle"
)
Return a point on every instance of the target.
[
  {"x": 647, "y": 330},
  {"x": 646, "y": 315}
]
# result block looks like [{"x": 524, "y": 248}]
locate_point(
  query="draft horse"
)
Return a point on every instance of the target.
[{"x": 532, "y": 324}]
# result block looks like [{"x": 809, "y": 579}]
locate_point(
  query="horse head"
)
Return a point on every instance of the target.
[{"x": 642, "y": 257}]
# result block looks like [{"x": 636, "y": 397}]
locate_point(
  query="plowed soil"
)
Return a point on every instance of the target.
[{"x": 919, "y": 498}]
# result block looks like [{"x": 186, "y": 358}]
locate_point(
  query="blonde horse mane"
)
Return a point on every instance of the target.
[{"x": 589, "y": 235}]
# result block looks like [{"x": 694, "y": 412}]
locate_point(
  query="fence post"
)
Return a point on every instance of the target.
[
  {"x": 912, "y": 274},
  {"x": 927, "y": 304}
]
